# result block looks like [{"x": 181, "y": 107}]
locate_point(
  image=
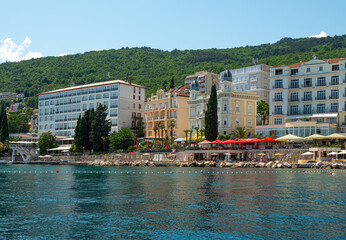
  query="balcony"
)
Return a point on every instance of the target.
[
  {"x": 277, "y": 99},
  {"x": 333, "y": 83},
  {"x": 334, "y": 97},
  {"x": 277, "y": 113},
  {"x": 294, "y": 86},
  {"x": 306, "y": 99},
  {"x": 278, "y": 86},
  {"x": 307, "y": 85},
  {"x": 293, "y": 100},
  {"x": 320, "y": 98},
  {"x": 293, "y": 113},
  {"x": 321, "y": 85}
]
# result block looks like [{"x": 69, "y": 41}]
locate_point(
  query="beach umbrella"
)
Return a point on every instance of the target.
[
  {"x": 217, "y": 141},
  {"x": 289, "y": 137},
  {"x": 315, "y": 137},
  {"x": 278, "y": 154},
  {"x": 205, "y": 142},
  {"x": 342, "y": 152},
  {"x": 307, "y": 153},
  {"x": 268, "y": 139},
  {"x": 336, "y": 136},
  {"x": 230, "y": 141},
  {"x": 332, "y": 153}
]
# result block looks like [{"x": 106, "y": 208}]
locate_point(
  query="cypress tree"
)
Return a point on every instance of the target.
[
  {"x": 100, "y": 128},
  {"x": 172, "y": 83},
  {"x": 4, "y": 125},
  {"x": 86, "y": 128},
  {"x": 211, "y": 124},
  {"x": 78, "y": 135}
]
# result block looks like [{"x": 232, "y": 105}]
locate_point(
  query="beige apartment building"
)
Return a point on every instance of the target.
[
  {"x": 205, "y": 80},
  {"x": 308, "y": 98},
  {"x": 165, "y": 107},
  {"x": 235, "y": 108}
]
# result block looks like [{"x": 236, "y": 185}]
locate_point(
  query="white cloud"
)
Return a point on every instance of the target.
[
  {"x": 63, "y": 54},
  {"x": 321, "y": 35},
  {"x": 12, "y": 52},
  {"x": 97, "y": 50}
]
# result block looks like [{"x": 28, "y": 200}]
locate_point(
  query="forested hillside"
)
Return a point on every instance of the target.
[{"x": 154, "y": 68}]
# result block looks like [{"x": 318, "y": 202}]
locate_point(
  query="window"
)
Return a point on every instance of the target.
[
  {"x": 321, "y": 108},
  {"x": 98, "y": 96},
  {"x": 134, "y": 90},
  {"x": 334, "y": 94},
  {"x": 277, "y": 121},
  {"x": 139, "y": 97},
  {"x": 114, "y": 95},
  {"x": 237, "y": 122},
  {"x": 308, "y": 70},
  {"x": 278, "y": 72},
  {"x": 294, "y": 71},
  {"x": 307, "y": 82},
  {"x": 249, "y": 109},
  {"x": 278, "y": 83},
  {"x": 278, "y": 97},
  {"x": 139, "y": 106},
  {"x": 334, "y": 80},
  {"x": 295, "y": 83},
  {"x": 134, "y": 97},
  {"x": 335, "y": 68},
  {"x": 225, "y": 107},
  {"x": 294, "y": 110},
  {"x": 224, "y": 122},
  {"x": 114, "y": 112},
  {"x": 91, "y": 97},
  {"x": 334, "y": 107},
  {"x": 249, "y": 122},
  {"x": 307, "y": 109},
  {"x": 106, "y": 95},
  {"x": 320, "y": 69},
  {"x": 278, "y": 109},
  {"x": 321, "y": 95},
  {"x": 321, "y": 81},
  {"x": 84, "y": 107},
  {"x": 91, "y": 106},
  {"x": 237, "y": 107},
  {"x": 134, "y": 105},
  {"x": 307, "y": 96},
  {"x": 294, "y": 97}
]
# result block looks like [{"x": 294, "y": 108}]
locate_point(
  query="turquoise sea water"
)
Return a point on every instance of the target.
[{"x": 170, "y": 203}]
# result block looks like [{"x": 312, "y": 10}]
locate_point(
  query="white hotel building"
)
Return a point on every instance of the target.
[{"x": 59, "y": 109}]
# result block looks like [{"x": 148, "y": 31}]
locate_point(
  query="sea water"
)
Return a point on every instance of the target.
[{"x": 39, "y": 202}]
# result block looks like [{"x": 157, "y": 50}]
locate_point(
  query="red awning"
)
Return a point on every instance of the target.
[
  {"x": 204, "y": 142},
  {"x": 242, "y": 141},
  {"x": 269, "y": 139},
  {"x": 255, "y": 140},
  {"x": 230, "y": 141},
  {"x": 217, "y": 142}
]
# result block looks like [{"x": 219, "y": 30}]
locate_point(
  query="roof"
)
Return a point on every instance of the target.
[
  {"x": 334, "y": 60},
  {"x": 91, "y": 85}
]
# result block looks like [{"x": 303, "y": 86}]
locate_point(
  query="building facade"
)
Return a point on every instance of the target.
[
  {"x": 235, "y": 108},
  {"x": 58, "y": 110},
  {"x": 205, "y": 80},
  {"x": 254, "y": 79},
  {"x": 309, "y": 93},
  {"x": 166, "y": 107}
]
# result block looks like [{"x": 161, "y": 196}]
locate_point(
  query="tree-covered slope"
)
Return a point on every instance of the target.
[{"x": 154, "y": 68}]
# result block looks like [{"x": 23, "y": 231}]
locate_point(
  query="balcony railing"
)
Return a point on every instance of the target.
[
  {"x": 294, "y": 86},
  {"x": 333, "y": 97},
  {"x": 277, "y": 87},
  {"x": 294, "y": 113},
  {"x": 333, "y": 83},
  {"x": 277, "y": 99},
  {"x": 293, "y": 100},
  {"x": 277, "y": 113},
  {"x": 305, "y": 99},
  {"x": 321, "y": 84},
  {"x": 320, "y": 98},
  {"x": 306, "y": 85}
]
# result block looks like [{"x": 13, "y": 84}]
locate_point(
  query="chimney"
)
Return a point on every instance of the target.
[{"x": 130, "y": 80}]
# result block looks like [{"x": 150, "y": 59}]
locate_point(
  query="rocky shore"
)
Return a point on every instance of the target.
[{"x": 272, "y": 164}]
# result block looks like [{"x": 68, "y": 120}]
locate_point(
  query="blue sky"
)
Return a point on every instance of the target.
[{"x": 54, "y": 27}]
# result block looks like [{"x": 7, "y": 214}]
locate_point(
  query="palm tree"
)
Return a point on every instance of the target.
[
  {"x": 190, "y": 131},
  {"x": 158, "y": 123},
  {"x": 171, "y": 125},
  {"x": 186, "y": 133},
  {"x": 155, "y": 131},
  {"x": 202, "y": 132},
  {"x": 263, "y": 110},
  {"x": 162, "y": 128},
  {"x": 239, "y": 132},
  {"x": 197, "y": 129}
]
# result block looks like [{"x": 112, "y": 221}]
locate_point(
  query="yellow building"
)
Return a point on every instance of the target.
[
  {"x": 167, "y": 107},
  {"x": 235, "y": 108}
]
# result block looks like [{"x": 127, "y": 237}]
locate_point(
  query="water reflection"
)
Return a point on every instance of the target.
[{"x": 160, "y": 203}]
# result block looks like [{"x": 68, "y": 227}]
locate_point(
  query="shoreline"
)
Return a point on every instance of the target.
[{"x": 192, "y": 164}]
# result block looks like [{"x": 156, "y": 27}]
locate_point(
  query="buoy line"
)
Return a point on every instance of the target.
[{"x": 317, "y": 171}]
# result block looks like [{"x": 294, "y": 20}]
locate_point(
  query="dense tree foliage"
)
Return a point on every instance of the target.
[
  {"x": 46, "y": 141},
  {"x": 154, "y": 68},
  {"x": 121, "y": 140},
  {"x": 263, "y": 110},
  {"x": 4, "y": 132},
  {"x": 99, "y": 129},
  {"x": 211, "y": 123},
  {"x": 18, "y": 122}
]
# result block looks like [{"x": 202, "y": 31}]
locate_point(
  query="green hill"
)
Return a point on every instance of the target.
[{"x": 154, "y": 68}]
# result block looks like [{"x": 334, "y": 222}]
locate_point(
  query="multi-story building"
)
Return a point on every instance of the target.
[
  {"x": 254, "y": 79},
  {"x": 235, "y": 108},
  {"x": 10, "y": 96},
  {"x": 59, "y": 109},
  {"x": 164, "y": 107},
  {"x": 310, "y": 96},
  {"x": 205, "y": 80}
]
